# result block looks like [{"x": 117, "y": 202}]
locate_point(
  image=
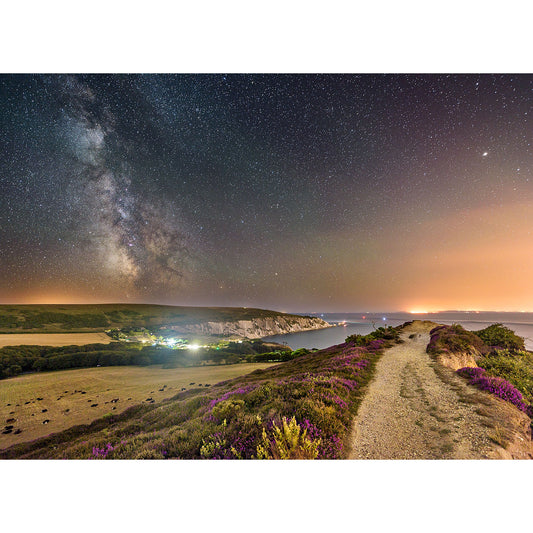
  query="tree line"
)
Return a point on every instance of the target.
[{"x": 15, "y": 360}]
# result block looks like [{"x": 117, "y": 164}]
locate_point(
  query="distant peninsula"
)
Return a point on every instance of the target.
[{"x": 222, "y": 321}]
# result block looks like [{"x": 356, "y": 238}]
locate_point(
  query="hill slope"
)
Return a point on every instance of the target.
[
  {"x": 324, "y": 405},
  {"x": 98, "y": 317},
  {"x": 247, "y": 417}
]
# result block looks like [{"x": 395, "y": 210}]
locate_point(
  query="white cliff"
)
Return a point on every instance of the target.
[{"x": 256, "y": 327}]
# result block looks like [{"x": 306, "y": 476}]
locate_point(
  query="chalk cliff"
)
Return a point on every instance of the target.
[{"x": 256, "y": 327}]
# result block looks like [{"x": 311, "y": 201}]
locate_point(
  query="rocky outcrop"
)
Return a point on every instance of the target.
[
  {"x": 256, "y": 327},
  {"x": 456, "y": 360}
]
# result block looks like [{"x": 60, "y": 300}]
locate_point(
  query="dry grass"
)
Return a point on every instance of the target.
[
  {"x": 132, "y": 385},
  {"x": 53, "y": 339},
  {"x": 498, "y": 435}
]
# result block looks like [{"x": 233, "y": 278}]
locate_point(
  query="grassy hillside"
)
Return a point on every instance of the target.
[
  {"x": 69, "y": 397},
  {"x": 97, "y": 317},
  {"x": 299, "y": 409}
]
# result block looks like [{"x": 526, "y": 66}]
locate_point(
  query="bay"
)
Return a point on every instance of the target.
[{"x": 364, "y": 323}]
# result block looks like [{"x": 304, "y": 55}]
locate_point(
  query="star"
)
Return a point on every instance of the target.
[{"x": 167, "y": 187}]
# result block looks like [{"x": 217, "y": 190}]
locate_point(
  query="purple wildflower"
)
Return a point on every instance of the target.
[{"x": 495, "y": 385}]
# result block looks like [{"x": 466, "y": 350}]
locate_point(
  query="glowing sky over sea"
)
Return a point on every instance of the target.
[{"x": 291, "y": 192}]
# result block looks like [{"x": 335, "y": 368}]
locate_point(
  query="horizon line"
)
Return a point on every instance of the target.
[{"x": 405, "y": 311}]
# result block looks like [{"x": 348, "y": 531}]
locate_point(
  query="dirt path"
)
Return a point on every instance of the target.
[{"x": 416, "y": 409}]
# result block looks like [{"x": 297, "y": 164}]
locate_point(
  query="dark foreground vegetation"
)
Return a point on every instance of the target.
[
  {"x": 15, "y": 360},
  {"x": 301, "y": 409},
  {"x": 504, "y": 367}
]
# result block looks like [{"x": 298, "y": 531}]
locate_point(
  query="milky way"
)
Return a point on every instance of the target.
[
  {"x": 304, "y": 192},
  {"x": 139, "y": 245},
  {"x": 119, "y": 234}
]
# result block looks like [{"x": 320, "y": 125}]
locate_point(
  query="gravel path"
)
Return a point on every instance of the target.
[{"x": 416, "y": 409}]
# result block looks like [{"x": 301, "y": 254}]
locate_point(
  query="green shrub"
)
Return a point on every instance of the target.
[
  {"x": 228, "y": 409},
  {"x": 289, "y": 442},
  {"x": 501, "y": 336},
  {"x": 387, "y": 333},
  {"x": 212, "y": 444},
  {"x": 148, "y": 453},
  {"x": 517, "y": 369}
]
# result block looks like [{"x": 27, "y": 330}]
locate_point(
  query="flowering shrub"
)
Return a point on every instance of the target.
[
  {"x": 214, "y": 443},
  {"x": 471, "y": 372},
  {"x": 101, "y": 453},
  {"x": 239, "y": 390},
  {"x": 288, "y": 442},
  {"x": 455, "y": 338},
  {"x": 495, "y": 385},
  {"x": 330, "y": 446},
  {"x": 317, "y": 403},
  {"x": 516, "y": 368}
]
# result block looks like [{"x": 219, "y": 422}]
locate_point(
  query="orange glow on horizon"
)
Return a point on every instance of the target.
[{"x": 57, "y": 299}]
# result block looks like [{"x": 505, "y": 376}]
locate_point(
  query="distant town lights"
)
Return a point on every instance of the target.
[{"x": 193, "y": 346}]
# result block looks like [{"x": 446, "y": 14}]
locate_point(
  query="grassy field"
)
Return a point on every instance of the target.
[
  {"x": 68, "y": 396},
  {"x": 53, "y": 339},
  {"x": 98, "y": 317}
]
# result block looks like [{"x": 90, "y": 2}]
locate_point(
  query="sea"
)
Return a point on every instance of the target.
[{"x": 363, "y": 323}]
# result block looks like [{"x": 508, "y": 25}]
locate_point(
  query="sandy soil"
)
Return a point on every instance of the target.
[
  {"x": 53, "y": 339},
  {"x": 417, "y": 409}
]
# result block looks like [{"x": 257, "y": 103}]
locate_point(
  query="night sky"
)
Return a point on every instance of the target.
[{"x": 298, "y": 193}]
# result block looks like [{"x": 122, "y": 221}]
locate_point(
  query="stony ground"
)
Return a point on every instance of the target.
[{"x": 417, "y": 409}]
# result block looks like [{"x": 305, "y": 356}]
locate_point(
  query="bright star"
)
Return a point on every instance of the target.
[{"x": 485, "y": 154}]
